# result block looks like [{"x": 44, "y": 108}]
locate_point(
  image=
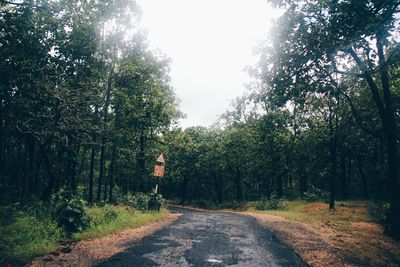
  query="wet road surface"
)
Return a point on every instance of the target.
[{"x": 200, "y": 238}]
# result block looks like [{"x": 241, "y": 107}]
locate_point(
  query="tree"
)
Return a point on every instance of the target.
[{"x": 324, "y": 42}]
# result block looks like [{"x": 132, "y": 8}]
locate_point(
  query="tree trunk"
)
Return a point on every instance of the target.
[
  {"x": 104, "y": 126},
  {"x": 333, "y": 156},
  {"x": 111, "y": 173},
  {"x": 343, "y": 177},
  {"x": 101, "y": 170},
  {"x": 363, "y": 177},
  {"x": 390, "y": 132},
  {"x": 391, "y": 135},
  {"x": 183, "y": 190},
  {"x": 91, "y": 172}
]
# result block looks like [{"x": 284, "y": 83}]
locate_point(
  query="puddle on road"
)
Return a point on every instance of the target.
[{"x": 214, "y": 261}]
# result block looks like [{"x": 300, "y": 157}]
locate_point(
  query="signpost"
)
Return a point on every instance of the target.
[{"x": 159, "y": 170}]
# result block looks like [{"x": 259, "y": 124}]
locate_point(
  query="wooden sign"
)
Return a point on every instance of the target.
[
  {"x": 159, "y": 171},
  {"x": 160, "y": 159}
]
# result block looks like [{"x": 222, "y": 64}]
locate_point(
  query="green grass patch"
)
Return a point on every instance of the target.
[
  {"x": 28, "y": 237},
  {"x": 112, "y": 219}
]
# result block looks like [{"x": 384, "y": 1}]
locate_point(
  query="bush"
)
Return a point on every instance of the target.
[
  {"x": 28, "y": 236},
  {"x": 379, "y": 212},
  {"x": 110, "y": 214},
  {"x": 271, "y": 204},
  {"x": 203, "y": 203},
  {"x": 315, "y": 194},
  {"x": 156, "y": 202},
  {"x": 119, "y": 196},
  {"x": 138, "y": 201},
  {"x": 232, "y": 204},
  {"x": 70, "y": 212}
]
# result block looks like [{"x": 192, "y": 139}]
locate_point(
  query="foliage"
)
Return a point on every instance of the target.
[
  {"x": 126, "y": 217},
  {"x": 89, "y": 99},
  {"x": 202, "y": 203},
  {"x": 156, "y": 202},
  {"x": 233, "y": 204},
  {"x": 70, "y": 212},
  {"x": 110, "y": 214},
  {"x": 379, "y": 212},
  {"x": 27, "y": 236},
  {"x": 138, "y": 201},
  {"x": 273, "y": 203},
  {"x": 315, "y": 194}
]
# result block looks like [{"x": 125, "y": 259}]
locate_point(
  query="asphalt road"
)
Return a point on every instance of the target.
[{"x": 200, "y": 238}]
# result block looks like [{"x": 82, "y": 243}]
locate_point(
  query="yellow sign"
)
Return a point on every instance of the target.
[{"x": 159, "y": 171}]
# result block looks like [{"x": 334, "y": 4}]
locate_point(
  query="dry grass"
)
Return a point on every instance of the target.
[{"x": 347, "y": 235}]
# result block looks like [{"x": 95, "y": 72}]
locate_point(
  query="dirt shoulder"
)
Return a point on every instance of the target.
[
  {"x": 86, "y": 253},
  {"x": 313, "y": 249},
  {"x": 327, "y": 243}
]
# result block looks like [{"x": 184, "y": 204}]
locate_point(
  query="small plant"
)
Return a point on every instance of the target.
[
  {"x": 70, "y": 212},
  {"x": 315, "y": 194},
  {"x": 110, "y": 214},
  {"x": 273, "y": 203},
  {"x": 379, "y": 211},
  {"x": 156, "y": 202},
  {"x": 118, "y": 195}
]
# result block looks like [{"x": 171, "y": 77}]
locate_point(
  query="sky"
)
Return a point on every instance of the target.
[{"x": 209, "y": 42}]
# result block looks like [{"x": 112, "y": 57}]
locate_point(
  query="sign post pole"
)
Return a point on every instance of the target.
[{"x": 159, "y": 170}]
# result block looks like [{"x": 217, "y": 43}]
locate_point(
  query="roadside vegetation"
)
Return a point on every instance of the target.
[
  {"x": 83, "y": 105},
  {"x": 30, "y": 231}
]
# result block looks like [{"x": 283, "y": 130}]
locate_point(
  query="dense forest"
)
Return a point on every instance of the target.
[
  {"x": 87, "y": 107},
  {"x": 83, "y": 100}
]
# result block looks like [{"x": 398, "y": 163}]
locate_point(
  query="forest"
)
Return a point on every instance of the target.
[
  {"x": 86, "y": 107},
  {"x": 320, "y": 120}
]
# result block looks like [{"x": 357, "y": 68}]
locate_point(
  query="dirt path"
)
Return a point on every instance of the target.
[{"x": 88, "y": 253}]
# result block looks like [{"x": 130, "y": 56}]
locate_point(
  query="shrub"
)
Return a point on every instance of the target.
[
  {"x": 110, "y": 214},
  {"x": 138, "y": 201},
  {"x": 379, "y": 212},
  {"x": 232, "y": 204},
  {"x": 118, "y": 195},
  {"x": 203, "y": 203},
  {"x": 156, "y": 202},
  {"x": 315, "y": 194},
  {"x": 271, "y": 204},
  {"x": 70, "y": 212}
]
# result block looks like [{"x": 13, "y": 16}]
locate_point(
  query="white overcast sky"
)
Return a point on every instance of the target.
[{"x": 210, "y": 42}]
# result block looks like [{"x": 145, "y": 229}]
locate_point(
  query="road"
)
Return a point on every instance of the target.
[{"x": 201, "y": 238}]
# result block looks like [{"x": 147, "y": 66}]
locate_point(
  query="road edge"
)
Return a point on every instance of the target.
[{"x": 86, "y": 253}]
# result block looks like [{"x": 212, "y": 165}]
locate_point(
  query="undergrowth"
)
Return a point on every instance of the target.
[{"x": 27, "y": 231}]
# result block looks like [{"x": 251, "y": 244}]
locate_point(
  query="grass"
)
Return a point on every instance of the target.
[
  {"x": 350, "y": 228},
  {"x": 125, "y": 218},
  {"x": 26, "y": 236},
  {"x": 303, "y": 211}
]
